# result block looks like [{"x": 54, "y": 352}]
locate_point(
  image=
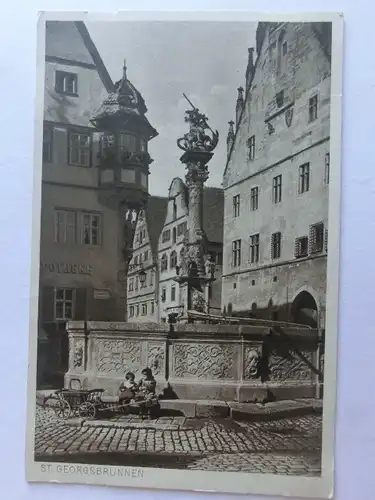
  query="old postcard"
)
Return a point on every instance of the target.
[{"x": 185, "y": 251}]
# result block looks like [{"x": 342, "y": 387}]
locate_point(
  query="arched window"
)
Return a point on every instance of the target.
[
  {"x": 173, "y": 260},
  {"x": 164, "y": 263}
]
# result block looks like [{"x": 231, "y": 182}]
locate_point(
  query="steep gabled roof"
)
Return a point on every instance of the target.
[
  {"x": 70, "y": 41},
  {"x": 155, "y": 216},
  {"x": 323, "y": 33}
]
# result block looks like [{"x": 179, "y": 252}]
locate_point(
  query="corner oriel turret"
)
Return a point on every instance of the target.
[
  {"x": 124, "y": 159},
  {"x": 125, "y": 133}
]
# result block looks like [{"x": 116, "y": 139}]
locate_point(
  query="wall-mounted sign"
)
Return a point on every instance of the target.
[
  {"x": 102, "y": 294},
  {"x": 66, "y": 268}
]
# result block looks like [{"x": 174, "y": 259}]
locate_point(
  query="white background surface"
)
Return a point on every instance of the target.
[{"x": 355, "y": 447}]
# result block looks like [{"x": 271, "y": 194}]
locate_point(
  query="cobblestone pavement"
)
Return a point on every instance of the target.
[{"x": 287, "y": 446}]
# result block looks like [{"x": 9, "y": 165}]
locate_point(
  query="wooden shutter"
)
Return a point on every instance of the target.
[
  {"x": 312, "y": 239},
  {"x": 326, "y": 240},
  {"x": 296, "y": 247},
  {"x": 48, "y": 303},
  {"x": 80, "y": 304},
  {"x": 95, "y": 148},
  {"x": 61, "y": 146}
]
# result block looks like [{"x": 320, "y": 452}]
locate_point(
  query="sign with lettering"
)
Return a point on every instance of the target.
[
  {"x": 66, "y": 268},
  {"x": 102, "y": 294}
]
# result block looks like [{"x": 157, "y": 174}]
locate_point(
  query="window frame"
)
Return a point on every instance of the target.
[
  {"x": 276, "y": 245},
  {"x": 84, "y": 214},
  {"x": 88, "y": 148},
  {"x": 251, "y": 148},
  {"x": 173, "y": 293},
  {"x": 298, "y": 247},
  {"x": 236, "y": 253},
  {"x": 65, "y": 212},
  {"x": 63, "y": 301},
  {"x": 316, "y": 244},
  {"x": 236, "y": 205},
  {"x": 327, "y": 167},
  {"x": 164, "y": 258},
  {"x": 313, "y": 108},
  {"x": 60, "y": 74},
  {"x": 166, "y": 235},
  {"x": 304, "y": 178},
  {"x": 254, "y": 248},
  {"x": 277, "y": 187},
  {"x": 254, "y": 198}
]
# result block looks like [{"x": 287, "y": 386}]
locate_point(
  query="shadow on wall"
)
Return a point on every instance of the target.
[{"x": 303, "y": 311}]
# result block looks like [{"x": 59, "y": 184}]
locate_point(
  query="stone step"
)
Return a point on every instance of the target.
[
  {"x": 240, "y": 411},
  {"x": 275, "y": 410},
  {"x": 231, "y": 409}
]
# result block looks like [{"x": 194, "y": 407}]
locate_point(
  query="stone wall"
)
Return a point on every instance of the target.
[
  {"x": 285, "y": 139},
  {"x": 198, "y": 361}
]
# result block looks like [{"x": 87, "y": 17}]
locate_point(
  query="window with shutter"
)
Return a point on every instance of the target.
[
  {"x": 316, "y": 238},
  {"x": 326, "y": 241},
  {"x": 80, "y": 306},
  {"x": 276, "y": 245},
  {"x": 47, "y": 304},
  {"x": 301, "y": 247}
]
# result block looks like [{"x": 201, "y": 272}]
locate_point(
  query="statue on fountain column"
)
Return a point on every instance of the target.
[{"x": 197, "y": 138}]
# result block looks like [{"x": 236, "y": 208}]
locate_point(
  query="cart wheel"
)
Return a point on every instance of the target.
[
  {"x": 87, "y": 410},
  {"x": 62, "y": 409}
]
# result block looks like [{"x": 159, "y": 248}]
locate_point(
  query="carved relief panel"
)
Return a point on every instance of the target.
[
  {"x": 156, "y": 358},
  {"x": 291, "y": 366},
  {"x": 118, "y": 356},
  {"x": 76, "y": 353},
  {"x": 203, "y": 361}
]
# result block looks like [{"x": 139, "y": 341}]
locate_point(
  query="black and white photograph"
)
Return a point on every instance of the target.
[{"x": 185, "y": 251}]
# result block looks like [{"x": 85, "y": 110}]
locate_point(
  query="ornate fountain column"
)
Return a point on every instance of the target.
[{"x": 196, "y": 269}]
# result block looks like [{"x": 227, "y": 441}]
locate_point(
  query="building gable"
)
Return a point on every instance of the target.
[{"x": 279, "y": 80}]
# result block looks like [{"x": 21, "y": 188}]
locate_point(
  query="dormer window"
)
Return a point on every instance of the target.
[{"x": 66, "y": 83}]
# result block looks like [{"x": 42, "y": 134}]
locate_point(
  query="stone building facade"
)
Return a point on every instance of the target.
[
  {"x": 171, "y": 242},
  {"x": 82, "y": 237},
  {"x": 276, "y": 180},
  {"x": 143, "y": 298}
]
